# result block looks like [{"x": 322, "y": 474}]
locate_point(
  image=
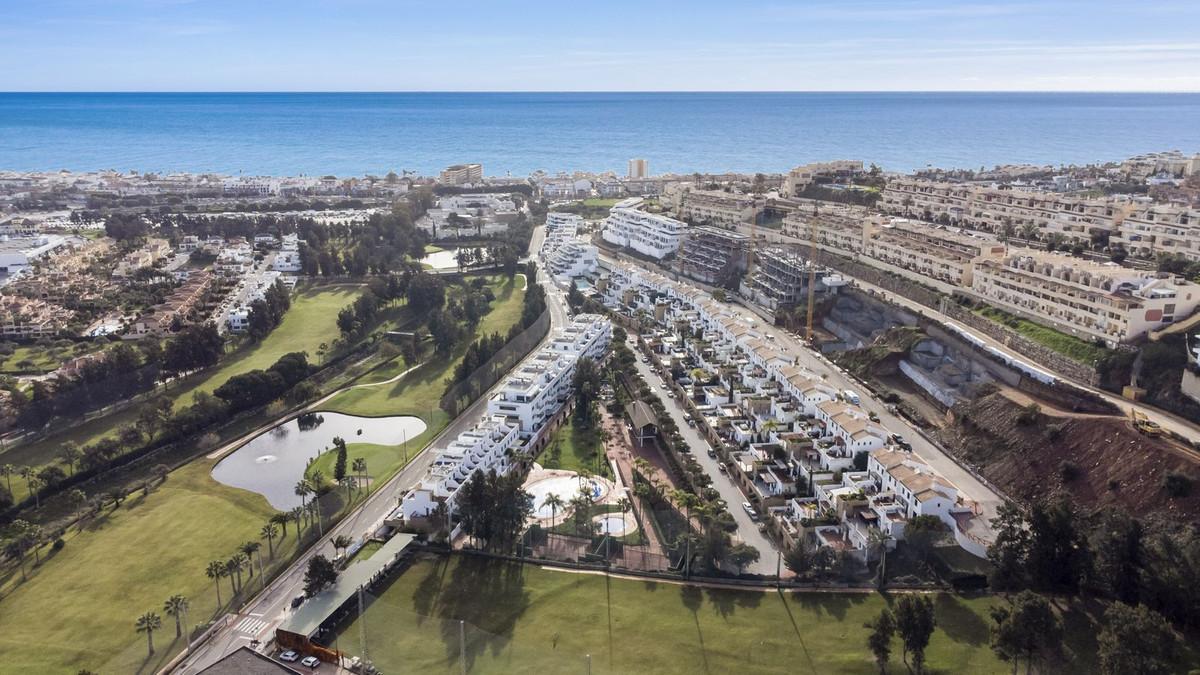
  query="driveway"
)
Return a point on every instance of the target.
[{"x": 747, "y": 530}]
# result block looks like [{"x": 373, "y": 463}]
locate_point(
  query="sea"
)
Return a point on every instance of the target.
[{"x": 519, "y": 133}]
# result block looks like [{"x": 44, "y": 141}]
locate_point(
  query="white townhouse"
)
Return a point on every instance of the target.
[
  {"x": 851, "y": 427},
  {"x": 650, "y": 234}
]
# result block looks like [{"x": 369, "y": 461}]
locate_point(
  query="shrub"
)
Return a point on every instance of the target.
[
  {"x": 1068, "y": 471},
  {"x": 1029, "y": 415},
  {"x": 58, "y": 544},
  {"x": 1177, "y": 484}
]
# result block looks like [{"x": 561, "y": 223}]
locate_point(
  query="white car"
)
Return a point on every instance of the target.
[
  {"x": 289, "y": 656},
  {"x": 310, "y": 662}
]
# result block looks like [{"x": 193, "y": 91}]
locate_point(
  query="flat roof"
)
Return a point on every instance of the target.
[
  {"x": 246, "y": 661},
  {"x": 309, "y": 616}
]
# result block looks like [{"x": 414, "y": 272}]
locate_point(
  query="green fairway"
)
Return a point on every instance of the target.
[
  {"x": 78, "y": 608},
  {"x": 419, "y": 392},
  {"x": 527, "y": 619},
  {"x": 311, "y": 321},
  {"x": 574, "y": 449}
]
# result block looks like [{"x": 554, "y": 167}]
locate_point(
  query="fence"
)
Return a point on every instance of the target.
[{"x": 464, "y": 393}]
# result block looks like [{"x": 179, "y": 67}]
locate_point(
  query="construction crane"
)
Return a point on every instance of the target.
[{"x": 812, "y": 277}]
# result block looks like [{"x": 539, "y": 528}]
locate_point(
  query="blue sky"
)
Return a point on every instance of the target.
[{"x": 502, "y": 45}]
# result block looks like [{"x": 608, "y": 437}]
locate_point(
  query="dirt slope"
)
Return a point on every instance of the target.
[{"x": 1024, "y": 456}]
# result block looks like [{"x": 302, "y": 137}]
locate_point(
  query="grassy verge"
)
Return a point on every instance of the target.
[
  {"x": 574, "y": 449},
  {"x": 1069, "y": 346},
  {"x": 526, "y": 619}
]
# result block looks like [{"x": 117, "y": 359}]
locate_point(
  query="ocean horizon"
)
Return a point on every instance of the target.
[{"x": 357, "y": 133}]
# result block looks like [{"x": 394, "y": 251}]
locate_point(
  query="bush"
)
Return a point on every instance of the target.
[
  {"x": 58, "y": 544},
  {"x": 1068, "y": 471},
  {"x": 1029, "y": 415},
  {"x": 1177, "y": 484}
]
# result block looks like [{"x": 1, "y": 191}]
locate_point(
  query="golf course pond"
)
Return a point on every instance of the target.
[{"x": 274, "y": 461}]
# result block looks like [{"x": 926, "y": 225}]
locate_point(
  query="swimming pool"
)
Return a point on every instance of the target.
[{"x": 566, "y": 487}]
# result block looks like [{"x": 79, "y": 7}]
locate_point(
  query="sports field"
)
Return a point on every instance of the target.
[{"x": 528, "y": 619}]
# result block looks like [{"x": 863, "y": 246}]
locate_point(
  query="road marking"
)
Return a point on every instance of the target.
[{"x": 251, "y": 626}]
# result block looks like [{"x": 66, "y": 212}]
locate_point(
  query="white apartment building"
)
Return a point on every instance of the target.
[
  {"x": 572, "y": 259},
  {"x": 919, "y": 489},
  {"x": 1091, "y": 300},
  {"x": 638, "y": 168},
  {"x": 484, "y": 447},
  {"x": 650, "y": 234},
  {"x": 534, "y": 391}
]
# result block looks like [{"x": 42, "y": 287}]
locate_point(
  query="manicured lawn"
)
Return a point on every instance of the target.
[
  {"x": 1070, "y": 346},
  {"x": 78, "y": 608},
  {"x": 430, "y": 248},
  {"x": 526, "y": 619},
  {"x": 382, "y": 460},
  {"x": 419, "y": 392},
  {"x": 596, "y": 202},
  {"x": 573, "y": 449},
  {"x": 311, "y": 320}
]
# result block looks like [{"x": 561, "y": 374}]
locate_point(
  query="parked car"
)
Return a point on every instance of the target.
[
  {"x": 713, "y": 453},
  {"x": 722, "y": 469},
  {"x": 690, "y": 422},
  {"x": 310, "y": 662},
  {"x": 900, "y": 441},
  {"x": 750, "y": 510},
  {"x": 851, "y": 397},
  {"x": 289, "y": 656}
]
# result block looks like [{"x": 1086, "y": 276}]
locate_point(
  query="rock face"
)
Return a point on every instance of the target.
[{"x": 1024, "y": 456}]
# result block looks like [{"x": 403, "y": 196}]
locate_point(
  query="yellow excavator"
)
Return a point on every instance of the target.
[{"x": 1145, "y": 426}]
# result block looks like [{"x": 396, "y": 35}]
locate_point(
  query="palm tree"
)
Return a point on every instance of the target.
[
  {"x": 27, "y": 473},
  {"x": 216, "y": 570},
  {"x": 297, "y": 514},
  {"x": 250, "y": 548},
  {"x": 555, "y": 503},
  {"x": 879, "y": 538},
  {"x": 70, "y": 455},
  {"x": 236, "y": 563},
  {"x": 360, "y": 468},
  {"x": 7, "y": 471},
  {"x": 317, "y": 480},
  {"x": 281, "y": 518},
  {"x": 176, "y": 606},
  {"x": 269, "y": 532},
  {"x": 348, "y": 482},
  {"x": 342, "y": 542},
  {"x": 625, "y": 505},
  {"x": 148, "y": 623},
  {"x": 35, "y": 488},
  {"x": 303, "y": 487}
]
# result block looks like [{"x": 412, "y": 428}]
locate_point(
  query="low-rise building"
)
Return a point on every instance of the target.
[
  {"x": 1095, "y": 301},
  {"x": 462, "y": 174},
  {"x": 801, "y": 177},
  {"x": 650, "y": 234},
  {"x": 928, "y": 252}
]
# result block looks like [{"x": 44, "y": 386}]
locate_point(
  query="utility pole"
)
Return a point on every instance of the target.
[{"x": 362, "y": 628}]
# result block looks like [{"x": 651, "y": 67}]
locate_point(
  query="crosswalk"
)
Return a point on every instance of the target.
[{"x": 251, "y": 625}]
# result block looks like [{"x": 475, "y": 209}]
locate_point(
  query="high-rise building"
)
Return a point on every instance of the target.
[
  {"x": 638, "y": 168},
  {"x": 462, "y": 174}
]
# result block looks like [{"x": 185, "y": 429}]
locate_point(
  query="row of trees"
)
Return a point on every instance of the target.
[
  {"x": 493, "y": 509},
  {"x": 267, "y": 312},
  {"x": 1053, "y": 547},
  {"x": 258, "y": 387},
  {"x": 116, "y": 374}
]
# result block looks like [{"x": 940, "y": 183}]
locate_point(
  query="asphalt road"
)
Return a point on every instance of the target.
[
  {"x": 747, "y": 530},
  {"x": 273, "y": 606}
]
